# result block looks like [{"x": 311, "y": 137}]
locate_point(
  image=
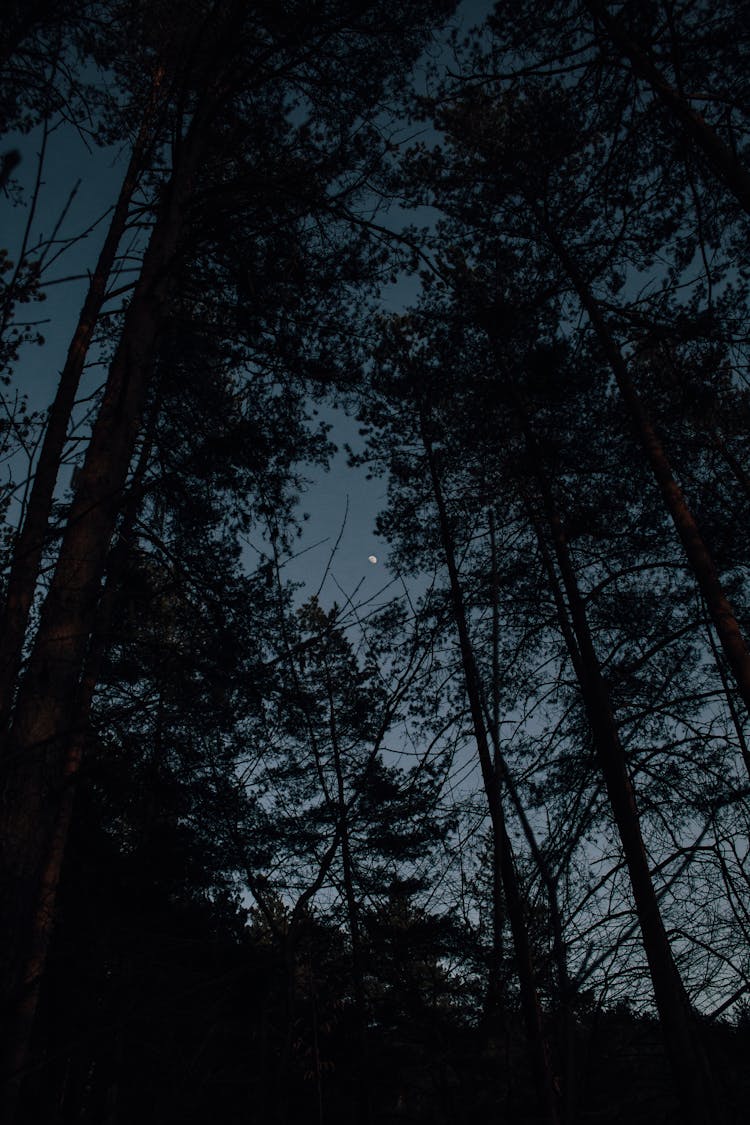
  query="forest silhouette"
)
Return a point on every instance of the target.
[{"x": 471, "y": 849}]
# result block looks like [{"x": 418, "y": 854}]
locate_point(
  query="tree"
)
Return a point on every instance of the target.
[
  {"x": 344, "y": 817},
  {"x": 671, "y": 998},
  {"x": 236, "y": 150}
]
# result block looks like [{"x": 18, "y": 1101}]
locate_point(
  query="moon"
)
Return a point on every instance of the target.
[{"x": 372, "y": 558}]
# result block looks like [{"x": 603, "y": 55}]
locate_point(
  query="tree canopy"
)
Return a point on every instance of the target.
[{"x": 473, "y": 847}]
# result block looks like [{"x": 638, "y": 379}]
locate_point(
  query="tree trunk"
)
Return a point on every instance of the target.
[
  {"x": 689, "y": 1064},
  {"x": 358, "y": 979},
  {"x": 18, "y": 1028},
  {"x": 538, "y": 1049},
  {"x": 721, "y": 158},
  {"x": 45, "y": 713},
  {"x": 698, "y": 555},
  {"x": 30, "y": 539},
  {"x": 565, "y": 991}
]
